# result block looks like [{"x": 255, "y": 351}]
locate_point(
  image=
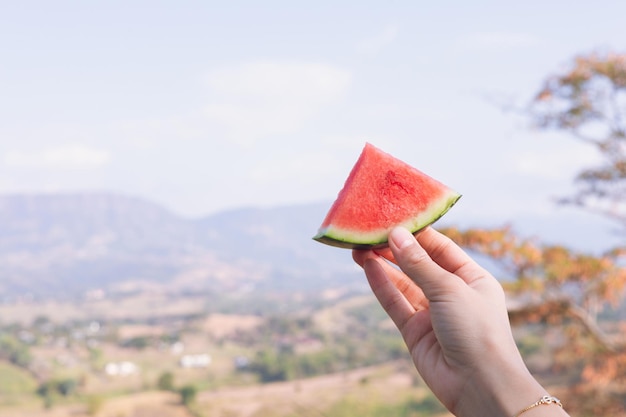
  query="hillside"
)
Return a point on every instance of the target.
[
  {"x": 67, "y": 245},
  {"x": 89, "y": 280}
]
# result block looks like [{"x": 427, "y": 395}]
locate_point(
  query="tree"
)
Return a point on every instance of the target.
[
  {"x": 52, "y": 388},
  {"x": 565, "y": 291},
  {"x": 15, "y": 351},
  {"x": 188, "y": 394},
  {"x": 273, "y": 365},
  {"x": 67, "y": 386},
  {"x": 552, "y": 283},
  {"x": 47, "y": 391},
  {"x": 165, "y": 382},
  {"x": 588, "y": 101},
  {"x": 560, "y": 288}
]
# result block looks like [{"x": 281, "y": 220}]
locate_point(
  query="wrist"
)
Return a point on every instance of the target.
[
  {"x": 502, "y": 390},
  {"x": 545, "y": 400}
]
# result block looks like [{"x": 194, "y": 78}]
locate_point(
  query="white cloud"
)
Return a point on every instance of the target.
[
  {"x": 264, "y": 98},
  {"x": 376, "y": 43},
  {"x": 63, "y": 157},
  {"x": 498, "y": 40}
]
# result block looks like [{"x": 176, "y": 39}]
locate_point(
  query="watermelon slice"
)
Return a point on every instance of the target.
[{"x": 380, "y": 193}]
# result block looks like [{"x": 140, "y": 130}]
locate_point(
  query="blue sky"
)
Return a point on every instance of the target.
[{"x": 204, "y": 106}]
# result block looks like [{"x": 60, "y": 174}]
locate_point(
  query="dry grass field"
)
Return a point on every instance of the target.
[
  {"x": 145, "y": 404},
  {"x": 306, "y": 397},
  {"x": 221, "y": 389},
  {"x": 312, "y": 397}
]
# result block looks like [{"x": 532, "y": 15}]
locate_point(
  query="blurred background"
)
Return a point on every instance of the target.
[{"x": 164, "y": 165}]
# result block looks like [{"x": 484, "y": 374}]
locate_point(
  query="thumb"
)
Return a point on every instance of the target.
[{"x": 414, "y": 261}]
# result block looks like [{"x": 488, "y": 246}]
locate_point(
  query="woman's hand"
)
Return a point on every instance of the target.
[{"x": 453, "y": 318}]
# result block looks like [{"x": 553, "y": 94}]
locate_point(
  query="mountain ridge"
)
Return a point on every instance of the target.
[{"x": 64, "y": 245}]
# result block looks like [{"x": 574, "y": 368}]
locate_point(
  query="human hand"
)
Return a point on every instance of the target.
[{"x": 453, "y": 318}]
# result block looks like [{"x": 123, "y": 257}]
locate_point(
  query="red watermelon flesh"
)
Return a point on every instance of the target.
[{"x": 381, "y": 193}]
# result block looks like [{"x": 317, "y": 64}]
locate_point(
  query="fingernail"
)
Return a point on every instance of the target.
[{"x": 401, "y": 237}]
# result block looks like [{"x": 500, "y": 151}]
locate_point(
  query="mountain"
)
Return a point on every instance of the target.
[{"x": 66, "y": 245}]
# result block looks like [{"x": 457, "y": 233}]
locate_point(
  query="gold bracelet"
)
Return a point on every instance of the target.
[{"x": 545, "y": 400}]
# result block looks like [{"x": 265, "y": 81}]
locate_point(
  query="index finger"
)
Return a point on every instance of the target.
[
  {"x": 448, "y": 255},
  {"x": 442, "y": 249}
]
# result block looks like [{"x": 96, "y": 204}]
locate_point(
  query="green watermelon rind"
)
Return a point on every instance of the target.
[{"x": 378, "y": 239}]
